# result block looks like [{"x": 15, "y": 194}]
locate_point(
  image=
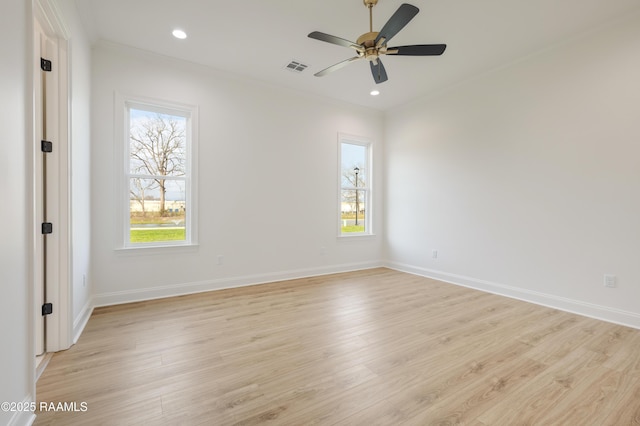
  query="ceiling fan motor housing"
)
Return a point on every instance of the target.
[{"x": 368, "y": 41}]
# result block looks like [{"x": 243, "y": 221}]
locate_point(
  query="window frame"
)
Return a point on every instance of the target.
[
  {"x": 123, "y": 105},
  {"x": 344, "y": 138}
]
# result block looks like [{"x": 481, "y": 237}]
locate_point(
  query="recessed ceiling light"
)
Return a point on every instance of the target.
[
  {"x": 374, "y": 93},
  {"x": 179, "y": 34}
]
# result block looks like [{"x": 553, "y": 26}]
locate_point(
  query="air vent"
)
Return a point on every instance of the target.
[{"x": 296, "y": 66}]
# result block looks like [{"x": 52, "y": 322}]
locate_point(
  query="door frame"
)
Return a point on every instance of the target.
[{"x": 47, "y": 16}]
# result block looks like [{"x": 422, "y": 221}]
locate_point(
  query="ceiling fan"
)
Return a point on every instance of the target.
[{"x": 372, "y": 45}]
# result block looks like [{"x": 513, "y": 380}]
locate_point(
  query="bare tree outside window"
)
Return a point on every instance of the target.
[
  {"x": 349, "y": 175},
  {"x": 354, "y": 184},
  {"x": 157, "y": 176},
  {"x": 349, "y": 181},
  {"x": 158, "y": 149},
  {"x": 142, "y": 190}
]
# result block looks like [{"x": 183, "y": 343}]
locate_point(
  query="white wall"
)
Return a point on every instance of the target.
[
  {"x": 80, "y": 136},
  {"x": 16, "y": 356},
  {"x": 267, "y": 177},
  {"x": 527, "y": 180}
]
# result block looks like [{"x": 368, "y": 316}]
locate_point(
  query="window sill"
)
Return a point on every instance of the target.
[
  {"x": 355, "y": 236},
  {"x": 158, "y": 249}
]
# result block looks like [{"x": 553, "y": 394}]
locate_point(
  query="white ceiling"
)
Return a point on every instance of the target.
[{"x": 257, "y": 38}]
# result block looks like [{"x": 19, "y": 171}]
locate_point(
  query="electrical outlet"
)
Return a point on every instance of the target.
[
  {"x": 610, "y": 281},
  {"x": 84, "y": 280},
  {"x": 434, "y": 254},
  {"x": 220, "y": 259}
]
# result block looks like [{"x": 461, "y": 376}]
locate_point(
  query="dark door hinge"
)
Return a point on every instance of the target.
[
  {"x": 47, "y": 228},
  {"x": 47, "y": 309},
  {"x": 47, "y": 146},
  {"x": 45, "y": 64}
]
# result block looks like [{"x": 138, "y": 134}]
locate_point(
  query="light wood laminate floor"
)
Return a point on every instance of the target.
[{"x": 374, "y": 347}]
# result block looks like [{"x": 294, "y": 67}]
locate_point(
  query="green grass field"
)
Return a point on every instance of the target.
[
  {"x": 157, "y": 235},
  {"x": 178, "y": 234},
  {"x": 349, "y": 217},
  {"x": 353, "y": 228}
]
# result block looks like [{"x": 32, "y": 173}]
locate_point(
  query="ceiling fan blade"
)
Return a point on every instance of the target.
[
  {"x": 334, "y": 40},
  {"x": 418, "y": 50},
  {"x": 378, "y": 71},
  {"x": 403, "y": 15},
  {"x": 336, "y": 66}
]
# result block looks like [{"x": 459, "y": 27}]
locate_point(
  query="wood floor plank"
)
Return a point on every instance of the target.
[
  {"x": 543, "y": 393},
  {"x": 373, "y": 347},
  {"x": 627, "y": 411},
  {"x": 448, "y": 382},
  {"x": 595, "y": 400}
]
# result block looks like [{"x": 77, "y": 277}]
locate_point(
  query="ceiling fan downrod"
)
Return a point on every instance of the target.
[
  {"x": 370, "y": 4},
  {"x": 367, "y": 40}
]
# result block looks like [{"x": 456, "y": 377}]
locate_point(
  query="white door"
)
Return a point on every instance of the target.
[{"x": 45, "y": 93}]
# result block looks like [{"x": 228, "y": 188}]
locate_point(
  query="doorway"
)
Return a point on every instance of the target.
[{"x": 50, "y": 165}]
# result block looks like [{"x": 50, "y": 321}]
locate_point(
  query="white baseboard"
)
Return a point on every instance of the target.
[
  {"x": 604, "y": 313},
  {"x": 150, "y": 293},
  {"x": 23, "y": 418},
  {"x": 80, "y": 322}
]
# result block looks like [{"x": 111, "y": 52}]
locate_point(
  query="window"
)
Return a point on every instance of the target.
[
  {"x": 158, "y": 173},
  {"x": 355, "y": 187}
]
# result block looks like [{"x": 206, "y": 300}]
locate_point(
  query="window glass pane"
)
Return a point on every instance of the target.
[
  {"x": 353, "y": 210},
  {"x": 157, "y": 143},
  {"x": 157, "y": 210},
  {"x": 354, "y": 159}
]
